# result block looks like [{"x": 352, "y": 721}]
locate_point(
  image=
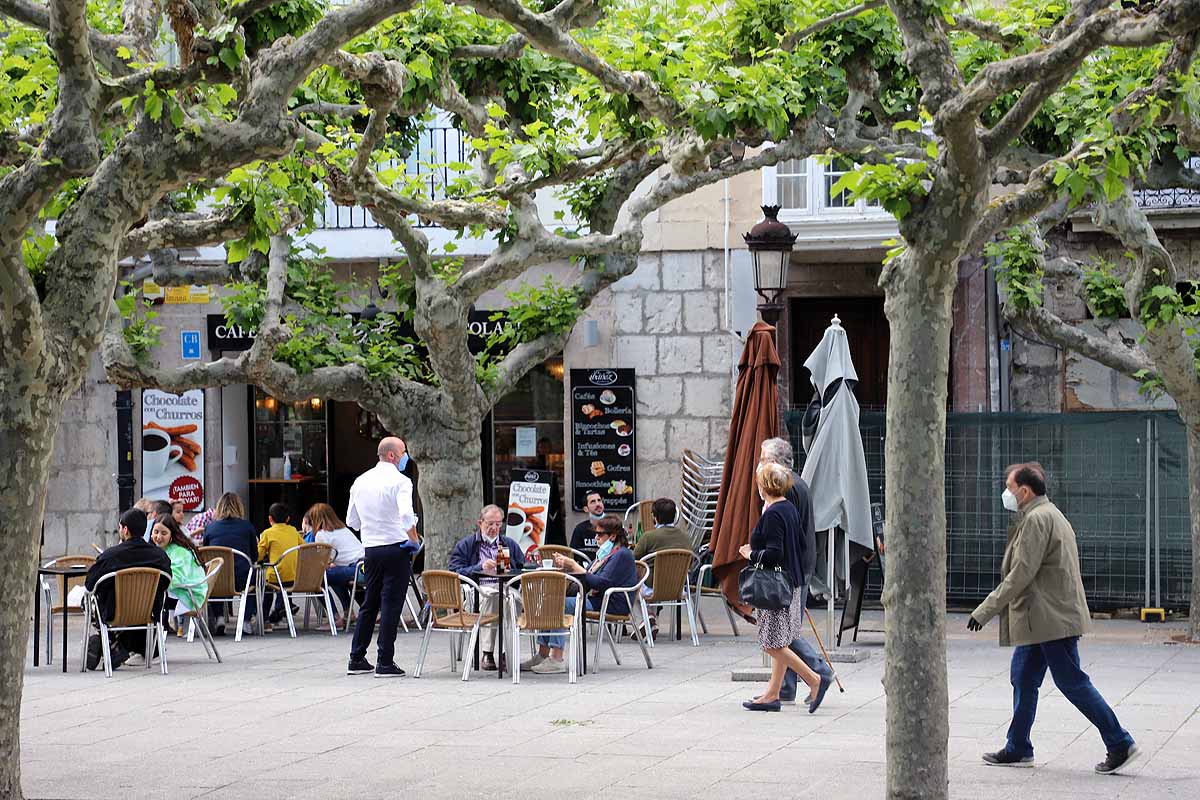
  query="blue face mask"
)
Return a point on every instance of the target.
[
  {"x": 605, "y": 549},
  {"x": 402, "y": 463}
]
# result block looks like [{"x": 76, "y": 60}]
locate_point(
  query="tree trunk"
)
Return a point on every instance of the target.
[
  {"x": 918, "y": 308},
  {"x": 28, "y": 420},
  {"x": 451, "y": 485},
  {"x": 1193, "y": 439}
]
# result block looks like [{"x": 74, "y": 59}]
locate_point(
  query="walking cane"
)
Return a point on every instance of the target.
[{"x": 813, "y": 625}]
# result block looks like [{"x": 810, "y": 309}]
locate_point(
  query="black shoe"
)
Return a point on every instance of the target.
[
  {"x": 388, "y": 671},
  {"x": 219, "y": 630},
  {"x": 95, "y": 651},
  {"x": 787, "y": 697},
  {"x": 119, "y": 655},
  {"x": 822, "y": 688},
  {"x": 359, "y": 666},
  {"x": 1117, "y": 759},
  {"x": 1007, "y": 758},
  {"x": 750, "y": 705},
  {"x": 487, "y": 663}
]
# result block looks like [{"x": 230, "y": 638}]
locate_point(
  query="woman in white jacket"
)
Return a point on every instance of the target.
[{"x": 328, "y": 528}]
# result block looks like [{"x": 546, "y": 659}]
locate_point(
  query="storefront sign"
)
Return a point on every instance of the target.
[
  {"x": 173, "y": 447},
  {"x": 224, "y": 336},
  {"x": 603, "y": 436},
  {"x": 189, "y": 345},
  {"x": 178, "y": 295},
  {"x": 528, "y": 506}
]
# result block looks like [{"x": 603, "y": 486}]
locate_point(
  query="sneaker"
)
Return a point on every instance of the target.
[
  {"x": 526, "y": 666},
  {"x": 268, "y": 627},
  {"x": 549, "y": 666},
  {"x": 388, "y": 671},
  {"x": 1116, "y": 760},
  {"x": 1007, "y": 758},
  {"x": 487, "y": 663},
  {"x": 134, "y": 660},
  {"x": 359, "y": 666}
]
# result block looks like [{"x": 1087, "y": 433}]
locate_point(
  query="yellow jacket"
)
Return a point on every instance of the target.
[{"x": 272, "y": 544}]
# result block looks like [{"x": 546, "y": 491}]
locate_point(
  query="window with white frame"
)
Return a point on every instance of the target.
[{"x": 802, "y": 187}]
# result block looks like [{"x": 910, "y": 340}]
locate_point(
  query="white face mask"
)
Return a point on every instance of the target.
[{"x": 1009, "y": 500}]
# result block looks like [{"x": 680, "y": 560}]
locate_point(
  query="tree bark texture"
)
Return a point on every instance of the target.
[
  {"x": 28, "y": 419},
  {"x": 451, "y": 484},
  {"x": 918, "y": 307}
]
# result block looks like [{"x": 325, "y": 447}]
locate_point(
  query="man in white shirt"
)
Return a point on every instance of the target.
[{"x": 381, "y": 508}]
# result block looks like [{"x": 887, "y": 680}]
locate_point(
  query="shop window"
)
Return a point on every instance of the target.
[{"x": 527, "y": 428}]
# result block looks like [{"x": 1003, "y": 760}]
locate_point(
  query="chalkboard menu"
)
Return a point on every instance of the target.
[{"x": 603, "y": 436}]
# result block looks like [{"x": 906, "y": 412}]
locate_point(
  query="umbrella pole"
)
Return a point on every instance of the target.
[{"x": 821, "y": 645}]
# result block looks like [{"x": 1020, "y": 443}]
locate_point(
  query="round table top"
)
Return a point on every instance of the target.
[{"x": 71, "y": 570}]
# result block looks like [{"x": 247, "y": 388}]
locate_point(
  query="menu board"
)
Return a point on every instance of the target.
[{"x": 603, "y": 436}]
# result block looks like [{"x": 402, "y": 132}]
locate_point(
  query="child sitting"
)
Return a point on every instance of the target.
[{"x": 272, "y": 544}]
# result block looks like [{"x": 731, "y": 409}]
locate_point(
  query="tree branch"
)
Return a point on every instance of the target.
[
  {"x": 988, "y": 31},
  {"x": 790, "y": 41},
  {"x": 195, "y": 230}
]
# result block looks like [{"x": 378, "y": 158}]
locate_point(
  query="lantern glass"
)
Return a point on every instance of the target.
[{"x": 771, "y": 269}]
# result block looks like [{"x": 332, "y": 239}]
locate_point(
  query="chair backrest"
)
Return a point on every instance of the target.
[
  {"x": 216, "y": 568},
  {"x": 311, "y": 562},
  {"x": 544, "y": 600},
  {"x": 68, "y": 582},
  {"x": 224, "y": 585},
  {"x": 443, "y": 590},
  {"x": 135, "y": 589},
  {"x": 643, "y": 570},
  {"x": 670, "y": 571}
]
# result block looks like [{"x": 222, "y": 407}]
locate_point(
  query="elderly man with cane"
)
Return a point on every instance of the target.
[{"x": 778, "y": 451}]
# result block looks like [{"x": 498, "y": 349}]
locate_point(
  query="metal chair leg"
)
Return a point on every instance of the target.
[
  {"x": 105, "y": 650},
  {"x": 424, "y": 650},
  {"x": 466, "y": 671},
  {"x": 691, "y": 614},
  {"x": 162, "y": 650},
  {"x": 287, "y": 610}
]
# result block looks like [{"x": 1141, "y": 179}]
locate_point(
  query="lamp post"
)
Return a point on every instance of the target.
[{"x": 770, "y": 243}]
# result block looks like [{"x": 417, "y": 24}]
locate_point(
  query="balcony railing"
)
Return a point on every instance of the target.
[
  {"x": 1178, "y": 197},
  {"x": 440, "y": 145}
]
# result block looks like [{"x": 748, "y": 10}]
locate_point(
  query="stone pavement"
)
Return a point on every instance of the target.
[{"x": 279, "y": 719}]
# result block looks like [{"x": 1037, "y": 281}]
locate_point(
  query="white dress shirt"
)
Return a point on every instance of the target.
[
  {"x": 349, "y": 549},
  {"x": 381, "y": 506}
]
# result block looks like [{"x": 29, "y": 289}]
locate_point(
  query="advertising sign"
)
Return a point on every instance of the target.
[
  {"x": 172, "y": 447},
  {"x": 603, "y": 436},
  {"x": 528, "y": 506}
]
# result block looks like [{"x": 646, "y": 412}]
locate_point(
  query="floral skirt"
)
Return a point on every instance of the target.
[{"x": 778, "y": 629}]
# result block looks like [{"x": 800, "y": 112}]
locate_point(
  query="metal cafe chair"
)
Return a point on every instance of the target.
[
  {"x": 310, "y": 584},
  {"x": 551, "y": 550},
  {"x": 136, "y": 590},
  {"x": 542, "y": 610},
  {"x": 444, "y": 594},
  {"x": 670, "y": 585},
  {"x": 224, "y": 590},
  {"x": 198, "y": 617},
  {"x": 605, "y": 621}
]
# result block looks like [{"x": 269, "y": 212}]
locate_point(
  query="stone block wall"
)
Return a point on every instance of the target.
[
  {"x": 81, "y": 496},
  {"x": 666, "y": 322}
]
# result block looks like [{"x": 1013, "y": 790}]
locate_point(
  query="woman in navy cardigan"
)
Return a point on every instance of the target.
[
  {"x": 775, "y": 542},
  {"x": 614, "y": 566}
]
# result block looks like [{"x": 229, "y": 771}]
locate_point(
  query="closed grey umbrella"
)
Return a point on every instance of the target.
[{"x": 836, "y": 466}]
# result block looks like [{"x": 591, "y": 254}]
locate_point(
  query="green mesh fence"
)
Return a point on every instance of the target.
[{"x": 1126, "y": 498}]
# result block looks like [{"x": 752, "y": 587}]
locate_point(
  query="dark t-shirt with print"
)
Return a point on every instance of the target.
[{"x": 583, "y": 538}]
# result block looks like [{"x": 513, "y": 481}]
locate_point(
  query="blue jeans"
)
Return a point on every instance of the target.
[
  {"x": 388, "y": 568},
  {"x": 811, "y": 658},
  {"x": 560, "y": 641},
  {"x": 340, "y": 579},
  {"x": 1061, "y": 656}
]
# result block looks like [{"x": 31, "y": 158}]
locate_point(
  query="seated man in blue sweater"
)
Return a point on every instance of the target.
[
  {"x": 614, "y": 566},
  {"x": 478, "y": 552}
]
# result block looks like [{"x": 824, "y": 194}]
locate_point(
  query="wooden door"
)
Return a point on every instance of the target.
[{"x": 867, "y": 332}]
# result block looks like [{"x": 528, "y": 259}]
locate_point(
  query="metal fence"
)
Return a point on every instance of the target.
[{"x": 1121, "y": 479}]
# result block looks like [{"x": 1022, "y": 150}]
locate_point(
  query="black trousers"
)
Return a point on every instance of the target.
[{"x": 388, "y": 569}]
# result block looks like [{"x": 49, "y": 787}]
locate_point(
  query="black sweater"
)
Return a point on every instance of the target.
[
  {"x": 136, "y": 552},
  {"x": 775, "y": 540}
]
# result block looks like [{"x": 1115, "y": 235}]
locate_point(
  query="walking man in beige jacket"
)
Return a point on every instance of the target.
[{"x": 1043, "y": 611}]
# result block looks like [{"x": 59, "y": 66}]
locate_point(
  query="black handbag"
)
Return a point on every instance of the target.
[{"x": 768, "y": 588}]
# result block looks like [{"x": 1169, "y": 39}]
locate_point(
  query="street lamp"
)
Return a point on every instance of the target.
[{"x": 770, "y": 243}]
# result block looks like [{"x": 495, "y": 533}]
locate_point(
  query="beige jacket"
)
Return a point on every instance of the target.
[{"x": 1040, "y": 597}]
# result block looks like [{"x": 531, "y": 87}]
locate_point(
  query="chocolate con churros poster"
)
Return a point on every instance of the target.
[{"x": 173, "y": 447}]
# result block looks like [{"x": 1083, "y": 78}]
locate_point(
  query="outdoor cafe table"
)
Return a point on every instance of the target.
[
  {"x": 502, "y": 579},
  {"x": 64, "y": 572}
]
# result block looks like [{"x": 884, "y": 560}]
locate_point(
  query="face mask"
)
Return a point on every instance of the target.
[
  {"x": 490, "y": 539},
  {"x": 1009, "y": 500},
  {"x": 402, "y": 463},
  {"x": 596, "y": 516},
  {"x": 605, "y": 549}
]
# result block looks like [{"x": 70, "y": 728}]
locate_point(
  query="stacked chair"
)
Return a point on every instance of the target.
[{"x": 700, "y": 485}]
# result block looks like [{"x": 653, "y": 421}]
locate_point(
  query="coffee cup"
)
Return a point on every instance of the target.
[
  {"x": 515, "y": 522},
  {"x": 158, "y": 452},
  {"x": 547, "y": 563}
]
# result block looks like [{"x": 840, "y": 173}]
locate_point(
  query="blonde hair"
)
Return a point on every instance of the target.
[
  {"x": 322, "y": 517},
  {"x": 774, "y": 479},
  {"x": 229, "y": 506}
]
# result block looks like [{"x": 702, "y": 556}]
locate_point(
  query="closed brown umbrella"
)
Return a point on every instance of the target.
[{"x": 755, "y": 419}]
